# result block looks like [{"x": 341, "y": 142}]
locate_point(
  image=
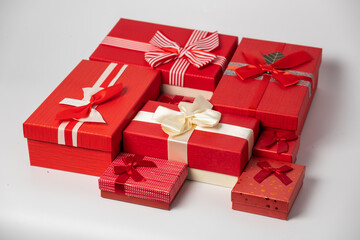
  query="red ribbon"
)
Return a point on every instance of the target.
[
  {"x": 175, "y": 100},
  {"x": 258, "y": 67},
  {"x": 269, "y": 138},
  {"x": 267, "y": 170},
  {"x": 130, "y": 171},
  {"x": 100, "y": 97}
]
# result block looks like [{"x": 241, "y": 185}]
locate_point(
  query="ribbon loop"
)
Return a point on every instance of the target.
[
  {"x": 198, "y": 113},
  {"x": 84, "y": 110},
  {"x": 197, "y": 53},
  {"x": 267, "y": 170}
]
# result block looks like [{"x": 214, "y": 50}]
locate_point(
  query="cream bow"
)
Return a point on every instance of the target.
[{"x": 199, "y": 113}]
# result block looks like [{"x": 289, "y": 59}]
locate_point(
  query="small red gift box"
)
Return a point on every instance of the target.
[
  {"x": 143, "y": 180},
  {"x": 268, "y": 187},
  {"x": 87, "y": 145},
  {"x": 277, "y": 144},
  {"x": 185, "y": 59},
  {"x": 223, "y": 149},
  {"x": 255, "y": 83},
  {"x": 174, "y": 99}
]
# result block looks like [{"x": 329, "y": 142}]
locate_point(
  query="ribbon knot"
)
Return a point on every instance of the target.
[
  {"x": 269, "y": 138},
  {"x": 198, "y": 113},
  {"x": 258, "y": 67},
  {"x": 267, "y": 170},
  {"x": 197, "y": 53},
  {"x": 84, "y": 110}
]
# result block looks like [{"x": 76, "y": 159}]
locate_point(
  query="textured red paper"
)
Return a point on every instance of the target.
[
  {"x": 271, "y": 152},
  {"x": 161, "y": 184},
  {"x": 205, "y": 78},
  {"x": 270, "y": 197},
  {"x": 206, "y": 151},
  {"x": 140, "y": 84},
  {"x": 282, "y": 108}
]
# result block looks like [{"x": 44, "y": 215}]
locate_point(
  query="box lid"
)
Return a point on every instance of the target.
[{"x": 139, "y": 85}]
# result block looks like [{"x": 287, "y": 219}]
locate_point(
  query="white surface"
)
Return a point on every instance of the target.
[{"x": 41, "y": 42}]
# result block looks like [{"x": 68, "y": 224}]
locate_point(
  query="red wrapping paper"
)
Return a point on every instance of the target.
[
  {"x": 162, "y": 183},
  {"x": 271, "y": 152},
  {"x": 206, "y": 151},
  {"x": 279, "y": 107},
  {"x": 271, "y": 197},
  {"x": 97, "y": 143},
  {"x": 205, "y": 78}
]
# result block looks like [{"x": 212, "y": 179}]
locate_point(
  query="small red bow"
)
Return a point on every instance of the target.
[
  {"x": 130, "y": 171},
  {"x": 197, "y": 53},
  {"x": 98, "y": 98},
  {"x": 267, "y": 170},
  {"x": 258, "y": 67},
  {"x": 175, "y": 100},
  {"x": 269, "y": 138}
]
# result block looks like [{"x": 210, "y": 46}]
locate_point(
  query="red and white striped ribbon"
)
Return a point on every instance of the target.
[
  {"x": 98, "y": 83},
  {"x": 161, "y": 50}
]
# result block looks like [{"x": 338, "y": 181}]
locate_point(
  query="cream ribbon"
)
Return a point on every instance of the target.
[{"x": 199, "y": 113}]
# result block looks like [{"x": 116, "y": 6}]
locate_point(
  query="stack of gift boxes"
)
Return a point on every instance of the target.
[{"x": 156, "y": 104}]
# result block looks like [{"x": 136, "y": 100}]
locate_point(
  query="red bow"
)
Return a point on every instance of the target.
[
  {"x": 269, "y": 138},
  {"x": 98, "y": 98},
  {"x": 129, "y": 170},
  {"x": 175, "y": 100},
  {"x": 258, "y": 67},
  {"x": 197, "y": 53},
  {"x": 267, "y": 170}
]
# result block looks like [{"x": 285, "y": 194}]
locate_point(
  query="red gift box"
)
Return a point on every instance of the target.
[
  {"x": 143, "y": 180},
  {"x": 268, "y": 187},
  {"x": 174, "y": 99},
  {"x": 209, "y": 149},
  {"x": 277, "y": 144},
  {"x": 88, "y": 147},
  {"x": 128, "y": 41},
  {"x": 249, "y": 88}
]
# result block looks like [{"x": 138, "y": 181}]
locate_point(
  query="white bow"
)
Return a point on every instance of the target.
[
  {"x": 199, "y": 113},
  {"x": 94, "y": 115}
]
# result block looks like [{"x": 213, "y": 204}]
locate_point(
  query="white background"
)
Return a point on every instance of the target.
[{"x": 42, "y": 41}]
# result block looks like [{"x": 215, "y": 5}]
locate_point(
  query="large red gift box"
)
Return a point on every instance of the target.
[
  {"x": 88, "y": 147},
  {"x": 277, "y": 144},
  {"x": 268, "y": 187},
  {"x": 143, "y": 180},
  {"x": 249, "y": 88},
  {"x": 223, "y": 149},
  {"x": 128, "y": 41}
]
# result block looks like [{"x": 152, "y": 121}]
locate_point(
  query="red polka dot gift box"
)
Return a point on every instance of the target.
[
  {"x": 272, "y": 81},
  {"x": 186, "y": 58},
  {"x": 268, "y": 187},
  {"x": 78, "y": 128},
  {"x": 143, "y": 180}
]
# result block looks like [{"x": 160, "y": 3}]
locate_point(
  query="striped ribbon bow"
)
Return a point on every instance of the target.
[{"x": 196, "y": 53}]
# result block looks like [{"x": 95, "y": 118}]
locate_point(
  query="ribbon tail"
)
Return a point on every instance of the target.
[
  {"x": 283, "y": 178},
  {"x": 286, "y": 79},
  {"x": 74, "y": 113},
  {"x": 283, "y": 147},
  {"x": 136, "y": 176}
]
